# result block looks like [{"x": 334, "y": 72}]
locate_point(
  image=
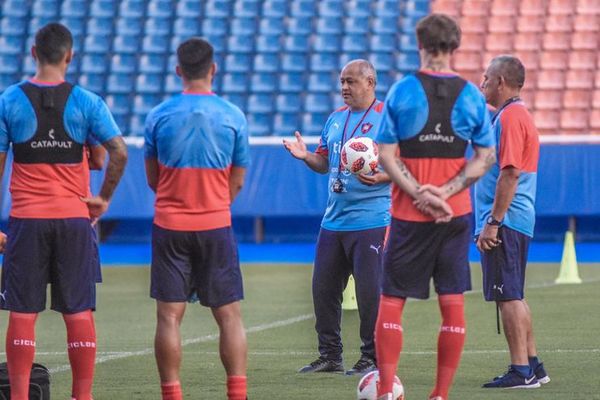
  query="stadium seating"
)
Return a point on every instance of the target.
[{"x": 285, "y": 54}]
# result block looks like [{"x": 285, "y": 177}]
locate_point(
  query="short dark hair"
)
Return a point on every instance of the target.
[
  {"x": 52, "y": 42},
  {"x": 511, "y": 69},
  {"x": 438, "y": 33},
  {"x": 195, "y": 57}
]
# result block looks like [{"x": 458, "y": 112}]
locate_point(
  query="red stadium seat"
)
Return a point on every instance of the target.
[
  {"x": 582, "y": 59},
  {"x": 556, "y": 41},
  {"x": 584, "y": 41},
  {"x": 470, "y": 41},
  {"x": 587, "y": 23},
  {"x": 579, "y": 79},
  {"x": 476, "y": 24},
  {"x": 561, "y": 7},
  {"x": 595, "y": 121},
  {"x": 577, "y": 99},
  {"x": 473, "y": 77},
  {"x": 574, "y": 120},
  {"x": 548, "y": 99},
  {"x": 530, "y": 23},
  {"x": 450, "y": 7},
  {"x": 559, "y": 23},
  {"x": 499, "y": 42},
  {"x": 596, "y": 99},
  {"x": 532, "y": 7},
  {"x": 554, "y": 60},
  {"x": 551, "y": 79},
  {"x": 501, "y": 24},
  {"x": 476, "y": 8},
  {"x": 547, "y": 121},
  {"x": 530, "y": 60},
  {"x": 504, "y": 7},
  {"x": 467, "y": 60},
  {"x": 528, "y": 41},
  {"x": 527, "y": 95},
  {"x": 588, "y": 7}
]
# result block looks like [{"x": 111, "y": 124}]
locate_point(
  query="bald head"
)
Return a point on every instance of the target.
[
  {"x": 361, "y": 68},
  {"x": 510, "y": 69},
  {"x": 358, "y": 79}
]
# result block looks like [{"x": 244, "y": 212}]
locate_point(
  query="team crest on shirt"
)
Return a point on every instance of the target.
[{"x": 366, "y": 127}]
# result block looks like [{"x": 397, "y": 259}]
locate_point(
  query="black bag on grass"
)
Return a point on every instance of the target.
[{"x": 39, "y": 383}]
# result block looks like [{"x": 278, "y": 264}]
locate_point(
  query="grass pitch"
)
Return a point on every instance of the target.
[{"x": 281, "y": 338}]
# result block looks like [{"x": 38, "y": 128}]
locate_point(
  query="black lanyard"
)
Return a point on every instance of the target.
[
  {"x": 353, "y": 132},
  {"x": 503, "y": 106}
]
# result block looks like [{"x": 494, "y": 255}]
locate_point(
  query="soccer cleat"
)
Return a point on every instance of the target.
[
  {"x": 513, "y": 380},
  {"x": 363, "y": 366},
  {"x": 323, "y": 364},
  {"x": 541, "y": 375}
]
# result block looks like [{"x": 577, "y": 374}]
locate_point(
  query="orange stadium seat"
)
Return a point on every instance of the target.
[
  {"x": 587, "y": 23},
  {"x": 501, "y": 24},
  {"x": 597, "y": 78},
  {"x": 473, "y": 24},
  {"x": 556, "y": 41},
  {"x": 528, "y": 41},
  {"x": 595, "y": 121},
  {"x": 527, "y": 95},
  {"x": 588, "y": 7},
  {"x": 471, "y": 41},
  {"x": 582, "y": 59},
  {"x": 584, "y": 41},
  {"x": 559, "y": 23},
  {"x": 551, "y": 79},
  {"x": 576, "y": 99},
  {"x": 504, "y": 7},
  {"x": 547, "y": 121},
  {"x": 467, "y": 60},
  {"x": 580, "y": 79},
  {"x": 532, "y": 7},
  {"x": 530, "y": 59},
  {"x": 596, "y": 99},
  {"x": 476, "y": 8},
  {"x": 450, "y": 7},
  {"x": 548, "y": 99},
  {"x": 499, "y": 42},
  {"x": 554, "y": 60},
  {"x": 561, "y": 7},
  {"x": 574, "y": 120},
  {"x": 530, "y": 23}
]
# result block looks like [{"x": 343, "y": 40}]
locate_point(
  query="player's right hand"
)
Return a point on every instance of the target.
[
  {"x": 433, "y": 205},
  {"x": 96, "y": 206},
  {"x": 297, "y": 148},
  {"x": 2, "y": 242}
]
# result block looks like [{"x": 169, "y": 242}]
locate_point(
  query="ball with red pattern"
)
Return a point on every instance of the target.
[
  {"x": 359, "y": 155},
  {"x": 367, "y": 387}
]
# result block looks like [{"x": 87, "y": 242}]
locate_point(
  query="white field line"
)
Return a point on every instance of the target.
[{"x": 109, "y": 356}]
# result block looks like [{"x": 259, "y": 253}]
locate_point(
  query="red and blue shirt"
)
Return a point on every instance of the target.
[{"x": 196, "y": 139}]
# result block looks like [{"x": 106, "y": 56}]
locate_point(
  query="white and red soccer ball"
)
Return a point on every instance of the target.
[
  {"x": 367, "y": 387},
  {"x": 359, "y": 155}
]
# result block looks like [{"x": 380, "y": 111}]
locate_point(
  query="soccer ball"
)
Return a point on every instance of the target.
[
  {"x": 359, "y": 155},
  {"x": 367, "y": 387}
]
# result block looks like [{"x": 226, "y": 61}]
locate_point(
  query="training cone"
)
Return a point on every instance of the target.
[
  {"x": 569, "y": 272},
  {"x": 349, "y": 296}
]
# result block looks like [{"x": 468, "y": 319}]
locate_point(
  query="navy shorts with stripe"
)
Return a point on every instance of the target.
[
  {"x": 62, "y": 252},
  {"x": 188, "y": 264},
  {"x": 504, "y": 266},
  {"x": 416, "y": 252}
]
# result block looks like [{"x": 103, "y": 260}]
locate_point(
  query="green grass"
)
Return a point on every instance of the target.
[{"x": 566, "y": 319}]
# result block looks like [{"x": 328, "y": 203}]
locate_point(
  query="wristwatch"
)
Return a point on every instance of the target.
[{"x": 493, "y": 221}]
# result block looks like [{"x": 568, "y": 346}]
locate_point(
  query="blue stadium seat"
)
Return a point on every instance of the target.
[
  {"x": 189, "y": 8},
  {"x": 354, "y": 43},
  {"x": 157, "y": 26},
  {"x": 93, "y": 82},
  {"x": 128, "y": 44},
  {"x": 29, "y": 65},
  {"x": 69, "y": 77},
  {"x": 246, "y": 8},
  {"x": 214, "y": 26},
  {"x": 260, "y": 103},
  {"x": 100, "y": 26},
  {"x": 137, "y": 123},
  {"x": 75, "y": 64},
  {"x": 345, "y": 58},
  {"x": 329, "y": 25},
  {"x": 236, "y": 62},
  {"x": 416, "y": 7},
  {"x": 217, "y": 8},
  {"x": 152, "y": 63},
  {"x": 14, "y": 8},
  {"x": 123, "y": 63},
  {"x": 271, "y": 26},
  {"x": 172, "y": 63},
  {"x": 123, "y": 123},
  {"x": 132, "y": 8},
  {"x": 321, "y": 82},
  {"x": 293, "y": 62},
  {"x": 237, "y": 99},
  {"x": 323, "y": 62},
  {"x": 160, "y": 8},
  {"x": 9, "y": 64},
  {"x": 259, "y": 124},
  {"x": 13, "y": 26},
  {"x": 262, "y": 82},
  {"x": 217, "y": 41},
  {"x": 36, "y": 23},
  {"x": 186, "y": 27},
  {"x": 94, "y": 64},
  {"x": 45, "y": 8},
  {"x": 356, "y": 25},
  {"x": 143, "y": 103},
  {"x": 266, "y": 63},
  {"x": 155, "y": 44},
  {"x": 243, "y": 26},
  {"x": 75, "y": 24},
  {"x": 129, "y": 26},
  {"x": 173, "y": 84},
  {"x": 387, "y": 8},
  {"x": 408, "y": 24},
  {"x": 291, "y": 82},
  {"x": 7, "y": 79},
  {"x": 359, "y": 8},
  {"x": 313, "y": 123},
  {"x": 149, "y": 83},
  {"x": 120, "y": 83},
  {"x": 103, "y": 9},
  {"x": 385, "y": 25},
  {"x": 384, "y": 82},
  {"x": 97, "y": 44},
  {"x": 119, "y": 104},
  {"x": 408, "y": 43},
  {"x": 407, "y": 61},
  {"x": 274, "y": 8},
  {"x": 288, "y": 103},
  {"x": 240, "y": 44},
  {"x": 330, "y": 43},
  {"x": 302, "y": 8},
  {"x": 297, "y": 43},
  {"x": 74, "y": 8},
  {"x": 330, "y": 9},
  {"x": 235, "y": 83},
  {"x": 285, "y": 124},
  {"x": 268, "y": 44},
  {"x": 383, "y": 43},
  {"x": 300, "y": 26},
  {"x": 382, "y": 62}
]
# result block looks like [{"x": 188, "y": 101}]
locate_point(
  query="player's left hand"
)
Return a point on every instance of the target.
[
  {"x": 2, "y": 242},
  {"x": 96, "y": 206},
  {"x": 433, "y": 205},
  {"x": 436, "y": 190},
  {"x": 371, "y": 179},
  {"x": 488, "y": 238}
]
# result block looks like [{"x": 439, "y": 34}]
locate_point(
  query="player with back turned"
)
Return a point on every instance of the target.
[
  {"x": 430, "y": 117},
  {"x": 49, "y": 122}
]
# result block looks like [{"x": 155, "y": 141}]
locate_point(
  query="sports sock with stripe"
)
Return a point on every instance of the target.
[
  {"x": 236, "y": 388},
  {"x": 81, "y": 347},
  {"x": 20, "y": 352},
  {"x": 388, "y": 340},
  {"x": 171, "y": 391}
]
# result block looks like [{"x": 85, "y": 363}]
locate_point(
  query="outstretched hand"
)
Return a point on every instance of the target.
[{"x": 297, "y": 148}]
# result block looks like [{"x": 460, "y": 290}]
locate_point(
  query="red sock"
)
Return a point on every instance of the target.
[
  {"x": 81, "y": 346},
  {"x": 236, "y": 388},
  {"x": 171, "y": 391},
  {"x": 20, "y": 351},
  {"x": 451, "y": 341},
  {"x": 388, "y": 340}
]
